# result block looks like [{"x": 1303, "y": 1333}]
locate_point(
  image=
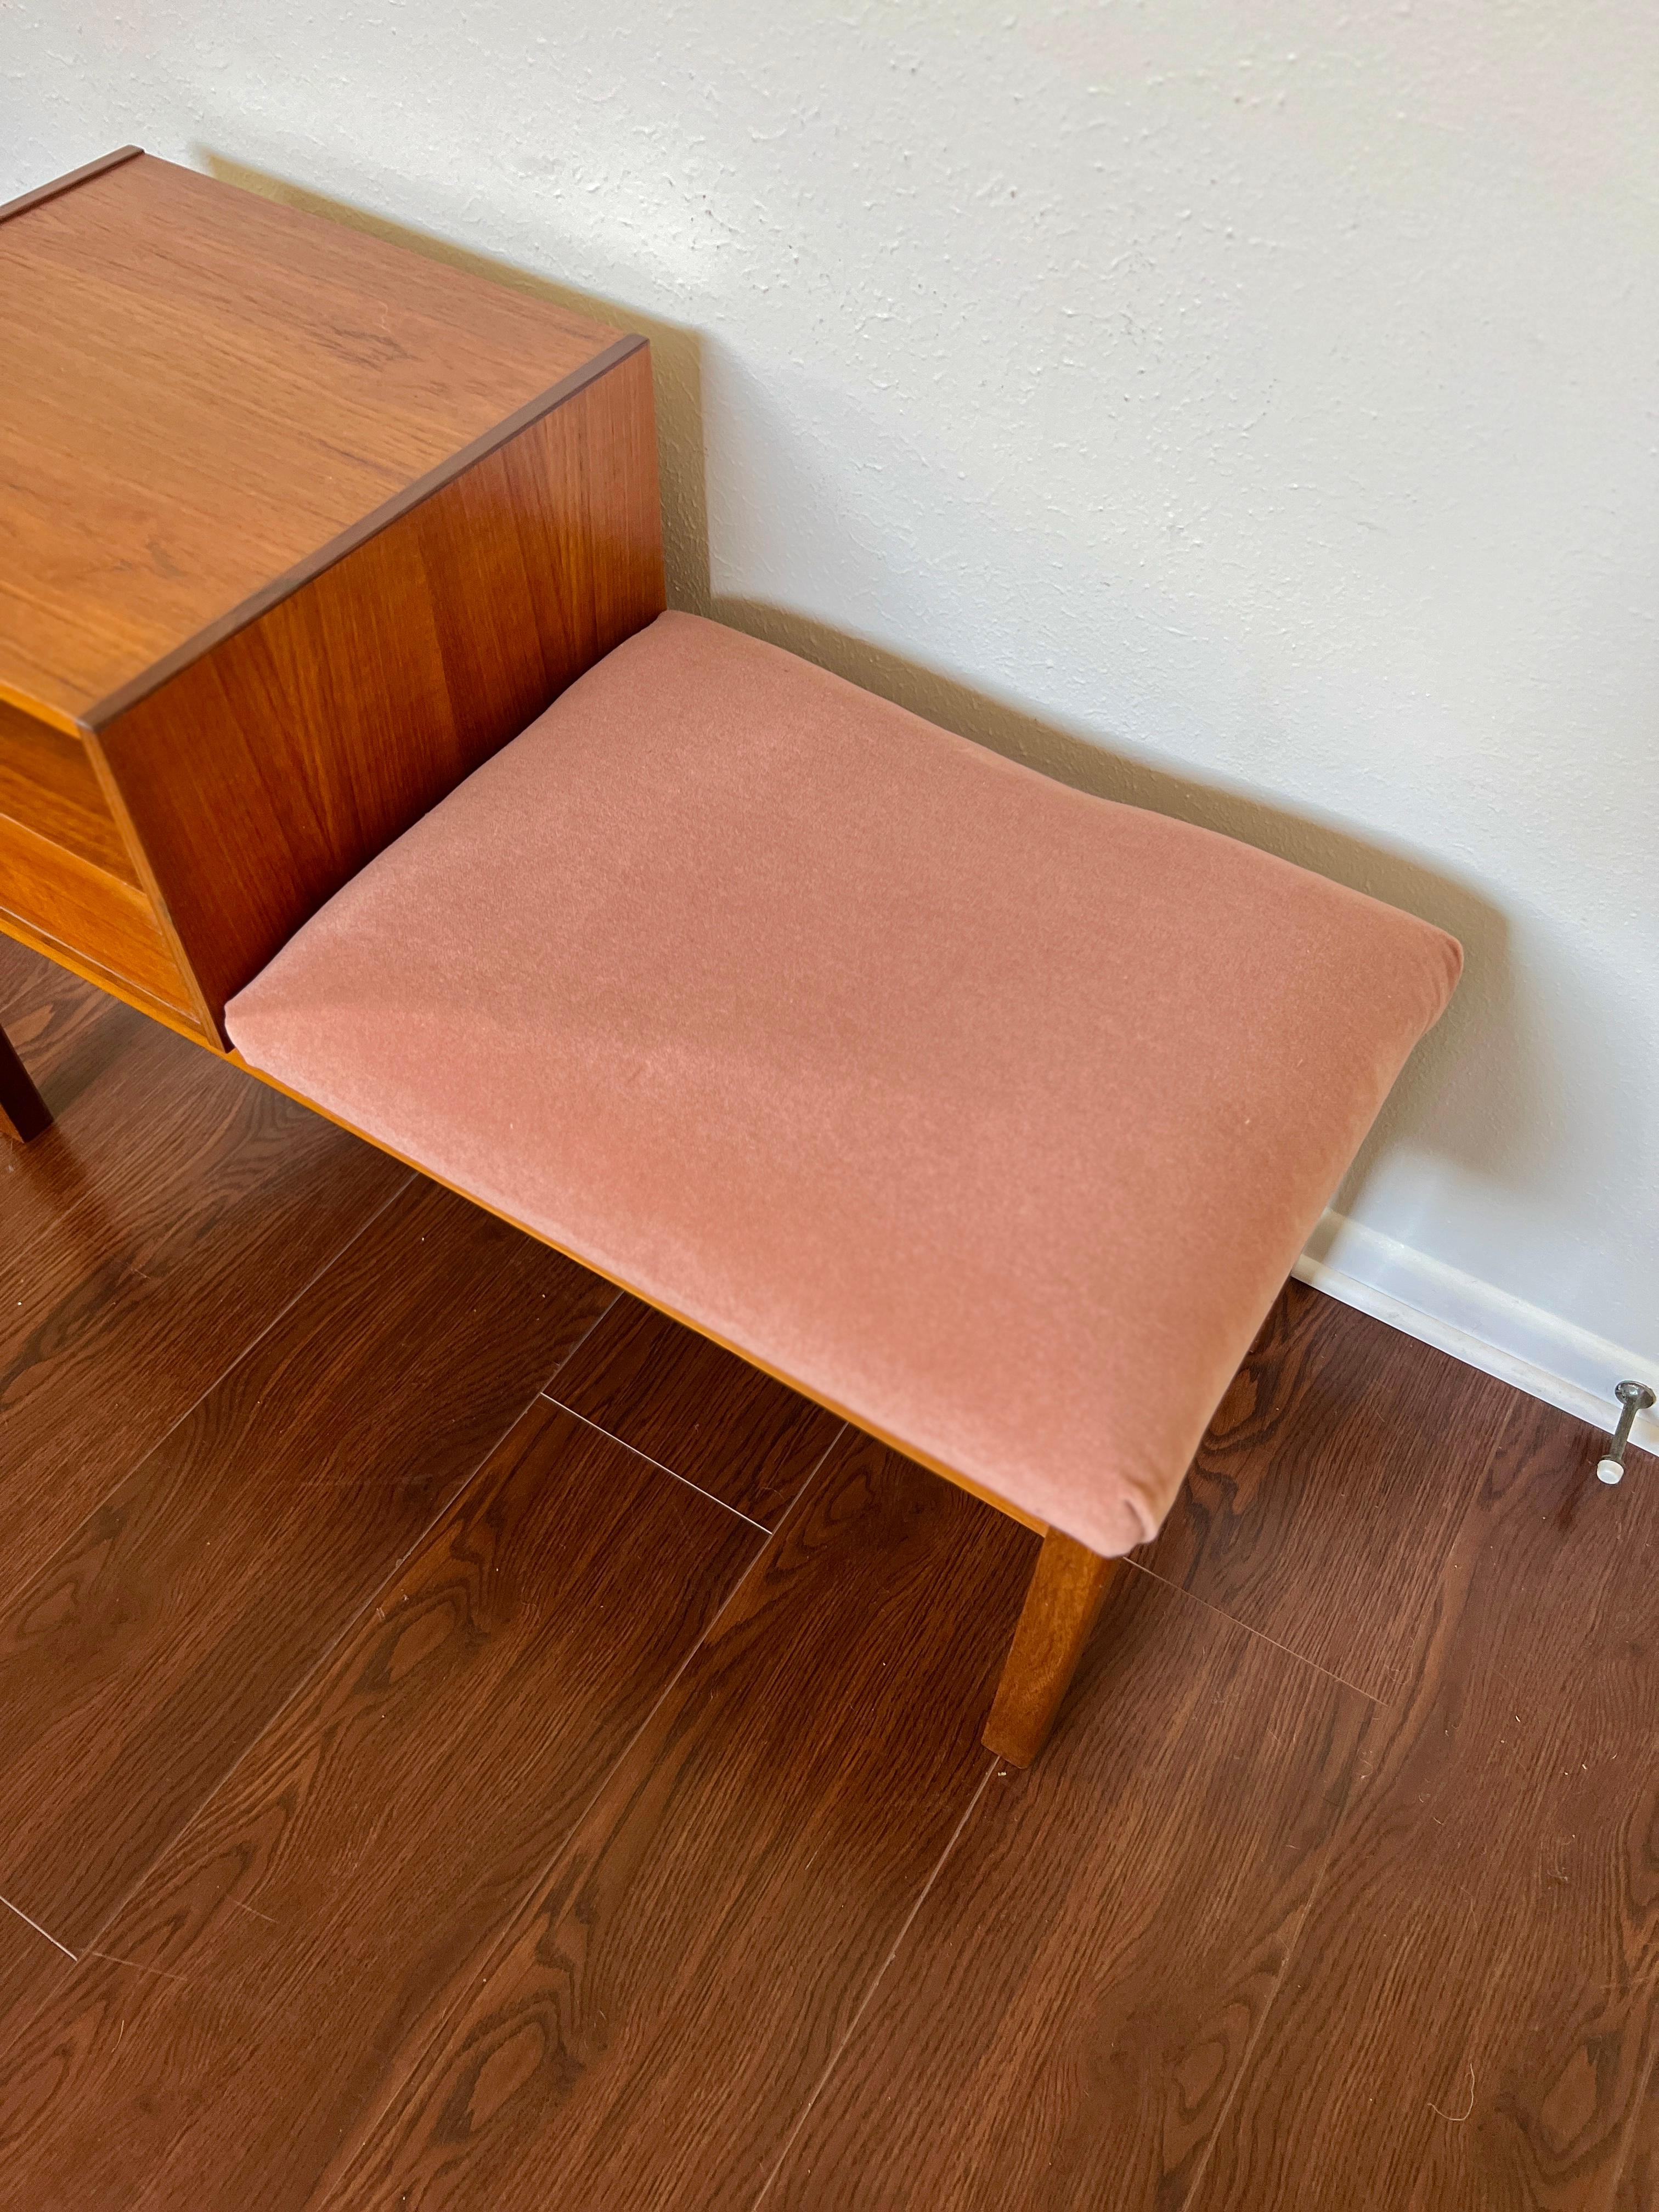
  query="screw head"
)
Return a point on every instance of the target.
[{"x": 1634, "y": 1394}]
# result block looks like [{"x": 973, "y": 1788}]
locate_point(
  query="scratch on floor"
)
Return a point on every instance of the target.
[
  {"x": 38, "y": 1929},
  {"x": 255, "y": 1909},
  {"x": 137, "y": 1966},
  {"x": 1457, "y": 2118}
]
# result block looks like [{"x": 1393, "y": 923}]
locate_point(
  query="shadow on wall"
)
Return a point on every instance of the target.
[{"x": 1468, "y": 1094}]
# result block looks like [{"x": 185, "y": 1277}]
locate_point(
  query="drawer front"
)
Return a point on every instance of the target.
[
  {"x": 68, "y": 900},
  {"x": 48, "y": 784}
]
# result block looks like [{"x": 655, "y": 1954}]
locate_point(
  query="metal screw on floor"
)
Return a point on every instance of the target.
[{"x": 1634, "y": 1398}]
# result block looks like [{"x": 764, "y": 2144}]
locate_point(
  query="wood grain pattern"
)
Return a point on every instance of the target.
[
  {"x": 51, "y": 1016},
  {"x": 309, "y": 739},
  {"x": 23, "y": 1112},
  {"x": 49, "y": 784},
  {"x": 145, "y": 1242},
  {"x": 1471, "y": 2015},
  {"x": 390, "y": 513},
  {"x": 1295, "y": 1520},
  {"x": 650, "y": 2023},
  {"x": 456, "y": 1733},
  {"x": 1067, "y": 1588},
  {"x": 195, "y": 1026},
  {"x": 203, "y": 388},
  {"x": 64, "y": 899},
  {"x": 28, "y": 981},
  {"x": 1109, "y": 1958},
  {"x": 1637, "y": 2186},
  {"x": 339, "y": 1440},
  {"x": 84, "y": 1048},
  {"x": 708, "y": 1416},
  {"x": 1075, "y": 2003},
  {"x": 305, "y": 527}
]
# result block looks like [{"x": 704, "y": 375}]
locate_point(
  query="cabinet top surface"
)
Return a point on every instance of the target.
[{"x": 203, "y": 389}]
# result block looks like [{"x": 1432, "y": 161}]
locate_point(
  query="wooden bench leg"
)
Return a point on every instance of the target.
[
  {"x": 1068, "y": 1587},
  {"x": 23, "y": 1112}
]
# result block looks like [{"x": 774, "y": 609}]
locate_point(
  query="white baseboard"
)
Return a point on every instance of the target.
[{"x": 1484, "y": 1328}]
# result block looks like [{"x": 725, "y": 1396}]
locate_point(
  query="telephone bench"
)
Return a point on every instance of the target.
[{"x": 990, "y": 1114}]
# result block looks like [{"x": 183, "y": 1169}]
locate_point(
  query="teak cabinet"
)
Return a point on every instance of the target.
[{"x": 297, "y": 528}]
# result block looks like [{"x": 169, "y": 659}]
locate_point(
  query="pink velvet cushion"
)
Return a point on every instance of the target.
[{"x": 990, "y": 1113}]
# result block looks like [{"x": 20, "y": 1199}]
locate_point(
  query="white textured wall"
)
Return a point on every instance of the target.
[{"x": 1251, "y": 411}]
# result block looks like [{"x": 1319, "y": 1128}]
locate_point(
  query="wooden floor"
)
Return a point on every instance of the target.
[{"x": 466, "y": 1742}]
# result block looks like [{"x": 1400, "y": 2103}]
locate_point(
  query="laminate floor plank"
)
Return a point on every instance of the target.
[
  {"x": 49, "y": 1014},
  {"x": 146, "y": 1241},
  {"x": 30, "y": 1964},
  {"x": 356, "y": 1860},
  {"x": 713, "y": 1419},
  {"x": 1327, "y": 1489},
  {"x": 128, "y": 1096},
  {"x": 1473, "y": 2011},
  {"x": 155, "y": 1645},
  {"x": 430, "y": 1835},
  {"x": 1071, "y": 2008},
  {"x": 82, "y": 1194},
  {"x": 645, "y": 2031},
  {"x": 20, "y": 974},
  {"x": 1637, "y": 2189}
]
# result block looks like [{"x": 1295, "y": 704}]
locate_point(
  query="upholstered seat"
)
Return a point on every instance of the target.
[{"x": 987, "y": 1112}]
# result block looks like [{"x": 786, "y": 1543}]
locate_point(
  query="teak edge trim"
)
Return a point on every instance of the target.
[
  {"x": 107, "y": 710},
  {"x": 25, "y": 201}
]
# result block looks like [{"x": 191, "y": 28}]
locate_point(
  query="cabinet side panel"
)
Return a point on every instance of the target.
[{"x": 262, "y": 776}]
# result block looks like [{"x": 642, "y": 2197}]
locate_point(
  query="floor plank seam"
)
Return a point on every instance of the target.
[
  {"x": 876, "y": 1980},
  {"x": 1509, "y": 1937},
  {"x": 38, "y": 1929},
  {"x": 663, "y": 1467},
  {"x": 501, "y": 1934},
  {"x": 559, "y": 1365},
  {"x": 303, "y": 1683},
  {"x": 1290, "y": 1651}
]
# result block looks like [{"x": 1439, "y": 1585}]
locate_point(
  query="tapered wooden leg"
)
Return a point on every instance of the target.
[
  {"x": 1068, "y": 1587},
  {"x": 23, "y": 1112}
]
